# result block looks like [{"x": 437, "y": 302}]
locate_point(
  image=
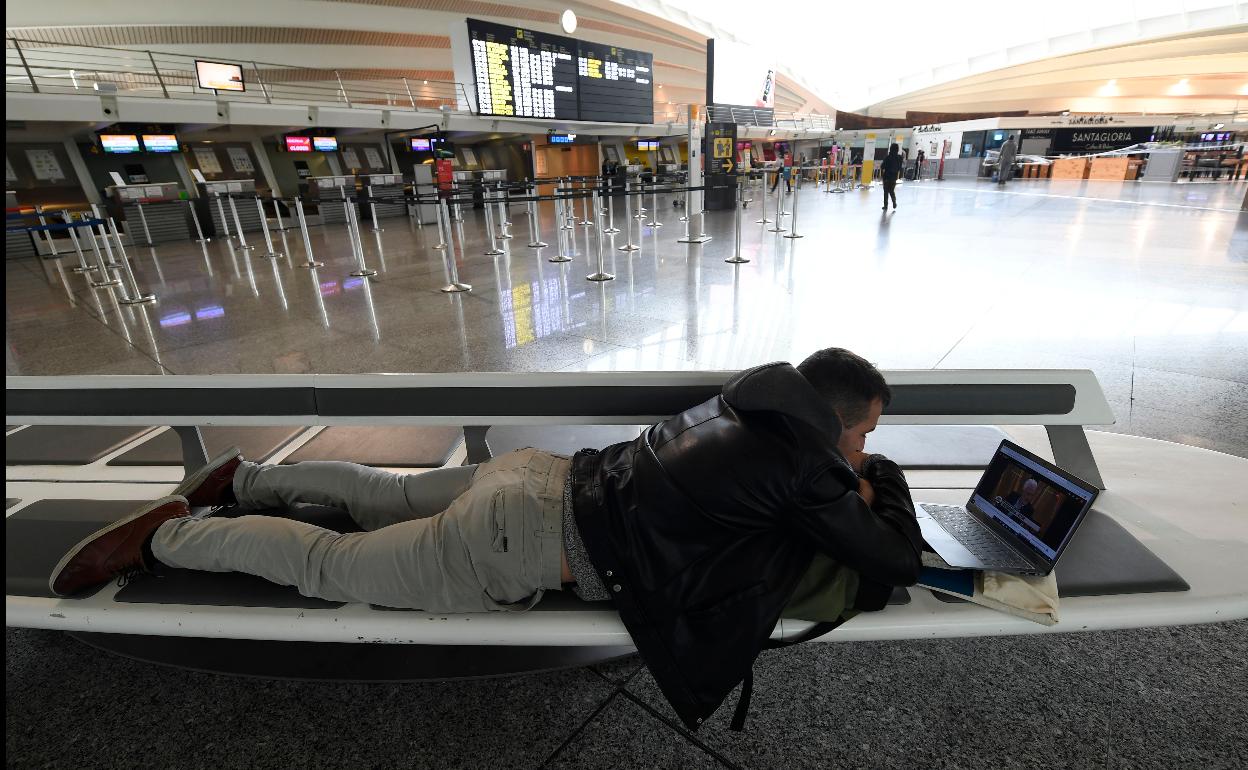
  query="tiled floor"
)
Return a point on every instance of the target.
[{"x": 1145, "y": 284}]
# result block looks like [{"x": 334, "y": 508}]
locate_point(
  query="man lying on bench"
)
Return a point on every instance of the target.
[{"x": 703, "y": 531}]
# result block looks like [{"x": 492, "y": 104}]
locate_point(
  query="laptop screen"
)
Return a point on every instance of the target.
[{"x": 1033, "y": 499}]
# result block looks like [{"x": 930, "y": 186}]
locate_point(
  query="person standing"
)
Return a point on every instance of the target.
[
  {"x": 1005, "y": 162},
  {"x": 918, "y": 165},
  {"x": 890, "y": 169}
]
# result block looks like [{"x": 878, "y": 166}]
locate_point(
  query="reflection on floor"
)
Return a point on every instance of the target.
[{"x": 1145, "y": 284}]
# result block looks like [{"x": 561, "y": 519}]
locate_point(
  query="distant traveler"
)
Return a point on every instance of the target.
[
  {"x": 703, "y": 532},
  {"x": 918, "y": 165},
  {"x": 1005, "y": 163},
  {"x": 890, "y": 169},
  {"x": 786, "y": 170}
]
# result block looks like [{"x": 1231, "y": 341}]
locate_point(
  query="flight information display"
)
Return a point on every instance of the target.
[
  {"x": 614, "y": 84},
  {"x": 523, "y": 73},
  {"x": 529, "y": 74}
]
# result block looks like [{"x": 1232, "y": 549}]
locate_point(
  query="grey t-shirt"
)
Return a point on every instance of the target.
[{"x": 588, "y": 586}]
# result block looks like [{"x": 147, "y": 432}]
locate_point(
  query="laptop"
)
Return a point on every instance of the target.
[{"x": 1020, "y": 518}]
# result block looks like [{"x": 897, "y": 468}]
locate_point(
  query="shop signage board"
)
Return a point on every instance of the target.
[{"x": 1098, "y": 139}]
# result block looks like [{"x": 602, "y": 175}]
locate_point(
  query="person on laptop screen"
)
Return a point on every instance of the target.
[
  {"x": 702, "y": 532},
  {"x": 1023, "y": 501}
]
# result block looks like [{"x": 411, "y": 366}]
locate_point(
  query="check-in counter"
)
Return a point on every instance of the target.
[
  {"x": 153, "y": 213},
  {"x": 388, "y": 186},
  {"x": 214, "y": 202},
  {"x": 328, "y": 192},
  {"x": 1070, "y": 168}
]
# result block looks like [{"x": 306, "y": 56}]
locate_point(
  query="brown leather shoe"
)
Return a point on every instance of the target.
[
  {"x": 212, "y": 484},
  {"x": 114, "y": 550}
]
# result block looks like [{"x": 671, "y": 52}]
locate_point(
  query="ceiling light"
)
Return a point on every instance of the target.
[
  {"x": 1219, "y": 125},
  {"x": 426, "y": 82},
  {"x": 568, "y": 21},
  {"x": 1112, "y": 82}
]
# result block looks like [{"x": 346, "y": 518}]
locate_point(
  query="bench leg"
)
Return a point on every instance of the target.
[
  {"x": 194, "y": 453},
  {"x": 478, "y": 447},
  {"x": 1072, "y": 453}
]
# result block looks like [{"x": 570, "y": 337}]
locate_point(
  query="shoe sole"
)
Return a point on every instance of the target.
[
  {"x": 189, "y": 483},
  {"x": 73, "y": 552}
]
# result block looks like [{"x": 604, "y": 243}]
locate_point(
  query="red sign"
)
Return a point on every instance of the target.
[
  {"x": 446, "y": 175},
  {"x": 298, "y": 144}
]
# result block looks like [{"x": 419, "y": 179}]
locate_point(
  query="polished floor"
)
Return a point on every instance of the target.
[{"x": 1145, "y": 284}]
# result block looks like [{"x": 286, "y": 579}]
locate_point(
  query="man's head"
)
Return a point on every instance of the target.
[
  {"x": 854, "y": 389},
  {"x": 1031, "y": 490}
]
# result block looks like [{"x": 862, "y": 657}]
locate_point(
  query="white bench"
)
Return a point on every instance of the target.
[{"x": 1062, "y": 401}]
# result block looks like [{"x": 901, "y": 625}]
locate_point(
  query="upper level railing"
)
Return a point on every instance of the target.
[
  {"x": 39, "y": 67},
  {"x": 34, "y": 66}
]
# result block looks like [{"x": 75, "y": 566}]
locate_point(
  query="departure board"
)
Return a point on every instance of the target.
[
  {"x": 614, "y": 84},
  {"x": 529, "y": 74},
  {"x": 523, "y": 73}
]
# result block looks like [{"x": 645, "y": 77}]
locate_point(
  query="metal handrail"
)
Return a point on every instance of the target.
[{"x": 52, "y": 68}]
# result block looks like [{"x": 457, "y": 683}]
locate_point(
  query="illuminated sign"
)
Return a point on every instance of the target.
[
  {"x": 219, "y": 76},
  {"x": 298, "y": 144},
  {"x": 119, "y": 144}
]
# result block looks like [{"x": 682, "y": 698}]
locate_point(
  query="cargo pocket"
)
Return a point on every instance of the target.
[{"x": 498, "y": 521}]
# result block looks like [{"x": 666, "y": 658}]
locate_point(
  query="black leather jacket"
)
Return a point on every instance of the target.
[{"x": 704, "y": 525}]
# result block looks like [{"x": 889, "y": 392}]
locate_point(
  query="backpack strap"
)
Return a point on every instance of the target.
[{"x": 747, "y": 686}]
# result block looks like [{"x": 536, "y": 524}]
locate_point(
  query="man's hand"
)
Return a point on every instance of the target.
[
  {"x": 867, "y": 491},
  {"x": 857, "y": 459}
]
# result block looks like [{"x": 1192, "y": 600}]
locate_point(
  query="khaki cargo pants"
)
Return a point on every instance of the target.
[{"x": 465, "y": 539}]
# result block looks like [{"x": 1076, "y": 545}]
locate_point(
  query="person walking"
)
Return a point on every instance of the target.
[
  {"x": 890, "y": 169},
  {"x": 1005, "y": 162}
]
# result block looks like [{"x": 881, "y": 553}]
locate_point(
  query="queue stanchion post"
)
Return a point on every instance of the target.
[
  {"x": 628, "y": 215},
  {"x": 277, "y": 213},
  {"x": 443, "y": 232},
  {"x": 82, "y": 266},
  {"x": 779, "y": 223},
  {"x": 134, "y": 295},
  {"x": 736, "y": 258},
  {"x": 264, "y": 228},
  {"x": 562, "y": 255},
  {"x": 453, "y": 285},
  {"x": 696, "y": 217},
  {"x": 535, "y": 226},
  {"x": 494, "y": 250},
  {"x": 654, "y": 214},
  {"x": 143, "y": 220},
  {"x": 47, "y": 234},
  {"x": 311, "y": 263},
  {"x": 764, "y": 220},
  {"x": 372, "y": 208},
  {"x": 793, "y": 222},
  {"x": 225, "y": 223},
  {"x": 238, "y": 228},
  {"x": 565, "y": 218},
  {"x": 503, "y": 224},
  {"x": 353, "y": 230},
  {"x": 106, "y": 278},
  {"x": 585, "y": 220},
  {"x": 98, "y": 214},
  {"x": 611, "y": 228},
  {"x": 601, "y": 274},
  {"x": 199, "y": 230}
]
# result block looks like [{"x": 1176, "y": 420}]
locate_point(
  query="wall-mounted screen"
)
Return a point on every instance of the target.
[
  {"x": 160, "y": 142},
  {"x": 561, "y": 138},
  {"x": 529, "y": 74},
  {"x": 648, "y": 145},
  {"x": 298, "y": 144},
  {"x": 742, "y": 75},
  {"x": 219, "y": 76},
  {"x": 614, "y": 85},
  {"x": 119, "y": 144},
  {"x": 325, "y": 143},
  {"x": 523, "y": 73},
  {"x": 420, "y": 145}
]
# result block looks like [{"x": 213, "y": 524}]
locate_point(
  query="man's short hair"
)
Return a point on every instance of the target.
[{"x": 847, "y": 380}]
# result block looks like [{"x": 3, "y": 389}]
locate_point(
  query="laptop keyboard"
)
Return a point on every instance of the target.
[{"x": 977, "y": 538}]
